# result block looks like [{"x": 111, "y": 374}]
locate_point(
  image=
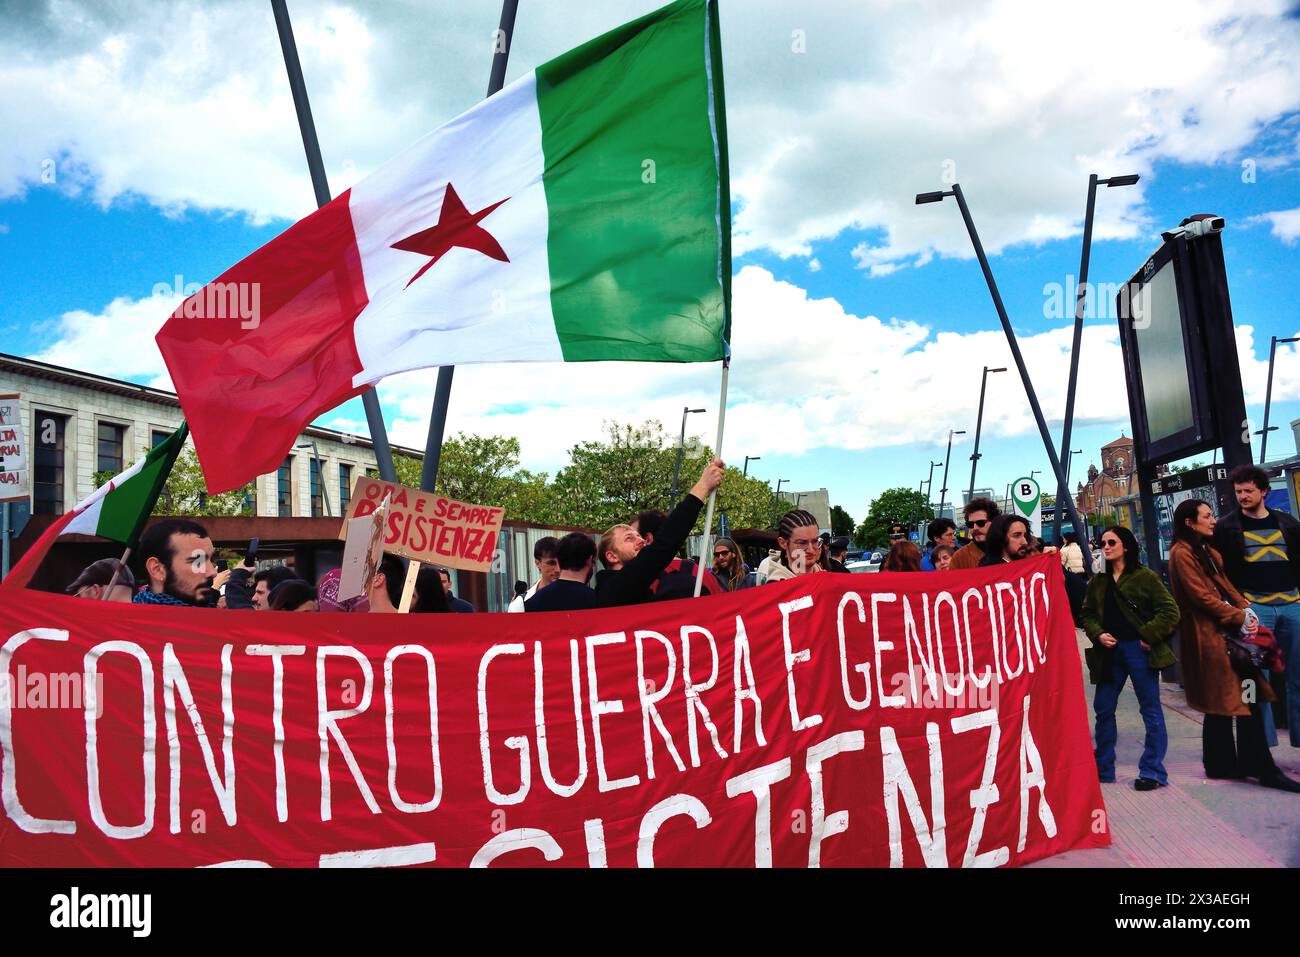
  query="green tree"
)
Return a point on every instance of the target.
[
  {"x": 484, "y": 470},
  {"x": 841, "y": 522},
  {"x": 905, "y": 505},
  {"x": 609, "y": 480}
]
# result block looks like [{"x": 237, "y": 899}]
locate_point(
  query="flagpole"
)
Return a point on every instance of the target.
[
  {"x": 108, "y": 589},
  {"x": 311, "y": 145},
  {"x": 442, "y": 391},
  {"x": 717, "y": 453}
]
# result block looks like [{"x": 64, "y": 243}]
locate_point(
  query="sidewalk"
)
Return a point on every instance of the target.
[{"x": 1193, "y": 822}]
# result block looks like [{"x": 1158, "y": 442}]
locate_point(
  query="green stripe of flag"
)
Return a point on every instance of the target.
[
  {"x": 126, "y": 508},
  {"x": 634, "y": 144}
]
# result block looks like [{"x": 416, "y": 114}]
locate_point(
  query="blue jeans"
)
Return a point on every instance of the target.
[
  {"x": 1284, "y": 622},
  {"x": 1128, "y": 660}
]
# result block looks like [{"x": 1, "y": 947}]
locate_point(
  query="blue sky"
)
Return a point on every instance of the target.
[{"x": 828, "y": 397}]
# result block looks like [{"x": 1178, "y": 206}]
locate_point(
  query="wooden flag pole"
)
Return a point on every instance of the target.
[
  {"x": 717, "y": 453},
  {"x": 408, "y": 586},
  {"x": 108, "y": 589},
  {"x": 442, "y": 391},
  {"x": 311, "y": 145}
]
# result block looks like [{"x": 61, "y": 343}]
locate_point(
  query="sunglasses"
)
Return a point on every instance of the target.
[
  {"x": 722, "y": 553},
  {"x": 1110, "y": 543},
  {"x": 978, "y": 523}
]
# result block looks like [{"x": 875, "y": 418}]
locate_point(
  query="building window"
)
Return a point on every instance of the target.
[
  {"x": 47, "y": 463},
  {"x": 158, "y": 437},
  {"x": 372, "y": 473},
  {"x": 284, "y": 487},
  {"x": 345, "y": 488},
  {"x": 317, "y": 503},
  {"x": 250, "y": 500},
  {"x": 109, "y": 455}
]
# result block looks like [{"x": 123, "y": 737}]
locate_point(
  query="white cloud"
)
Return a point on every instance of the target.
[
  {"x": 1285, "y": 223},
  {"x": 117, "y": 342},
  {"x": 187, "y": 104}
]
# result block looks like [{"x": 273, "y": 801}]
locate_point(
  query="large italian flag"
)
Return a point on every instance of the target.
[{"x": 580, "y": 214}]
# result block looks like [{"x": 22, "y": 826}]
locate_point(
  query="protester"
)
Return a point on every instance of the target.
[
  {"x": 904, "y": 556},
  {"x": 385, "y": 593},
  {"x": 177, "y": 558},
  {"x": 941, "y": 531},
  {"x": 238, "y": 596},
  {"x": 430, "y": 596},
  {"x": 1261, "y": 557},
  {"x": 293, "y": 595},
  {"x": 1071, "y": 553},
  {"x": 1212, "y": 607},
  {"x": 327, "y": 594},
  {"x": 632, "y": 566},
  {"x": 457, "y": 604},
  {"x": 765, "y": 566},
  {"x": 1008, "y": 539},
  {"x": 1128, "y": 616},
  {"x": 979, "y": 514},
  {"x": 678, "y": 578},
  {"x": 729, "y": 568},
  {"x": 941, "y": 557},
  {"x": 94, "y": 579},
  {"x": 548, "y": 569},
  {"x": 801, "y": 547},
  {"x": 837, "y": 551},
  {"x": 576, "y": 555}
]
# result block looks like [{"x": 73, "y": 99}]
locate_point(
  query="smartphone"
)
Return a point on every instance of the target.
[
  {"x": 250, "y": 556},
  {"x": 221, "y": 564}
]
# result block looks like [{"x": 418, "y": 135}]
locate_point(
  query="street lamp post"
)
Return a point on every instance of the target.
[
  {"x": 1014, "y": 345},
  {"x": 320, "y": 471},
  {"x": 1268, "y": 399},
  {"x": 979, "y": 424},
  {"x": 943, "y": 492},
  {"x": 681, "y": 445},
  {"x": 1080, "y": 307},
  {"x": 776, "y": 499},
  {"x": 748, "y": 459}
]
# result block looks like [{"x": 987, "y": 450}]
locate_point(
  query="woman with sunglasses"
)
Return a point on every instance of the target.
[
  {"x": 1128, "y": 615},
  {"x": 728, "y": 567},
  {"x": 800, "y": 542},
  {"x": 1211, "y": 607}
]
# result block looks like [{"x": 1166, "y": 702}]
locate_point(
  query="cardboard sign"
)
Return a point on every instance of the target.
[
  {"x": 425, "y": 527},
  {"x": 882, "y": 720},
  {"x": 363, "y": 547},
  {"x": 14, "y": 476}
]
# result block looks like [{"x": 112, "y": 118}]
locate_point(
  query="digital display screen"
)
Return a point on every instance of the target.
[{"x": 1162, "y": 355}]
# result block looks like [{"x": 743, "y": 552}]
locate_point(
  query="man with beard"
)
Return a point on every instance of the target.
[
  {"x": 1008, "y": 540},
  {"x": 177, "y": 556},
  {"x": 980, "y": 514}
]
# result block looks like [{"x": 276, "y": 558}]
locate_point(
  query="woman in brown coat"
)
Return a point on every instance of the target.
[{"x": 1210, "y": 605}]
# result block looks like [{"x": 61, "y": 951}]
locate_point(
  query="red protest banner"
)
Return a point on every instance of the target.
[
  {"x": 866, "y": 720},
  {"x": 425, "y": 527}
]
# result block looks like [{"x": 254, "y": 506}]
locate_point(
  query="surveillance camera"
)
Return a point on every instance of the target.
[{"x": 1194, "y": 228}]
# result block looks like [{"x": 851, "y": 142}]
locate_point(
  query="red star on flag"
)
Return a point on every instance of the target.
[{"x": 456, "y": 226}]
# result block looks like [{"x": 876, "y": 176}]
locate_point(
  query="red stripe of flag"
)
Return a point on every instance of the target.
[{"x": 249, "y": 386}]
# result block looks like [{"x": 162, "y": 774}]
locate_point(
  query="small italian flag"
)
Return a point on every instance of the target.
[
  {"x": 582, "y": 213},
  {"x": 118, "y": 510}
]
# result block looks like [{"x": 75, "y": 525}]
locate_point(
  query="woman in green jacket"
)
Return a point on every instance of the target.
[{"x": 1129, "y": 615}]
